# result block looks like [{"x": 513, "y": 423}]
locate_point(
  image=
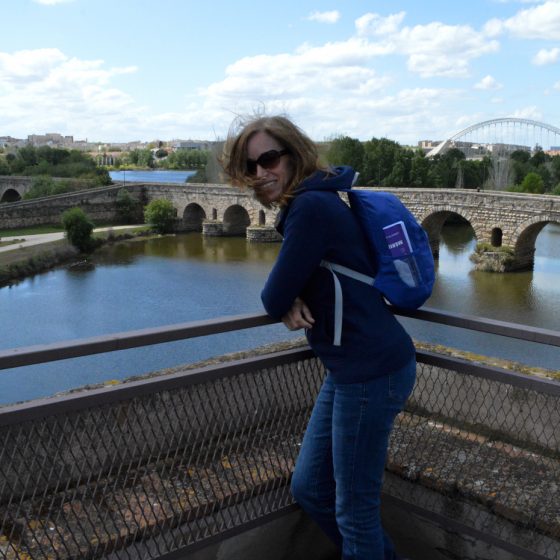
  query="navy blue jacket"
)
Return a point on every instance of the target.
[{"x": 318, "y": 225}]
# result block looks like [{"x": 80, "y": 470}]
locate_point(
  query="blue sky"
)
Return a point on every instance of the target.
[{"x": 120, "y": 70}]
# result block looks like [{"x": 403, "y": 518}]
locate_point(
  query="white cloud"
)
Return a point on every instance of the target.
[
  {"x": 556, "y": 85},
  {"x": 493, "y": 27},
  {"x": 52, "y": 2},
  {"x": 311, "y": 71},
  {"x": 517, "y": 1},
  {"x": 44, "y": 89},
  {"x": 374, "y": 24},
  {"x": 545, "y": 56},
  {"x": 325, "y": 17},
  {"x": 488, "y": 83},
  {"x": 434, "y": 49},
  {"x": 541, "y": 22},
  {"x": 530, "y": 112}
]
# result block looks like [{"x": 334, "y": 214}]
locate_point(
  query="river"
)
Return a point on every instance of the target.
[
  {"x": 151, "y": 176},
  {"x": 174, "y": 279}
]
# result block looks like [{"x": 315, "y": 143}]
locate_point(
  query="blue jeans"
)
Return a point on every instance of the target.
[{"x": 339, "y": 472}]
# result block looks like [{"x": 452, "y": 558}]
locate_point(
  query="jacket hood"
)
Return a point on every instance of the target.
[{"x": 339, "y": 178}]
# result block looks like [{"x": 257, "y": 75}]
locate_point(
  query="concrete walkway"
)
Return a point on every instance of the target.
[{"x": 28, "y": 240}]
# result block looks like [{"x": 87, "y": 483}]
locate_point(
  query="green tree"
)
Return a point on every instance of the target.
[
  {"x": 128, "y": 208},
  {"x": 420, "y": 170},
  {"x": 400, "y": 173},
  {"x": 78, "y": 229},
  {"x": 555, "y": 168},
  {"x": 522, "y": 156},
  {"x": 56, "y": 162},
  {"x": 42, "y": 185},
  {"x": 533, "y": 183},
  {"x": 538, "y": 158},
  {"x": 4, "y": 166},
  {"x": 160, "y": 214},
  {"x": 520, "y": 170},
  {"x": 346, "y": 151},
  {"x": 379, "y": 159},
  {"x": 146, "y": 158},
  {"x": 546, "y": 176},
  {"x": 187, "y": 159}
]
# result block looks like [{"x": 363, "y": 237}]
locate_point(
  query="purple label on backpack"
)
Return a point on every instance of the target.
[{"x": 397, "y": 240}]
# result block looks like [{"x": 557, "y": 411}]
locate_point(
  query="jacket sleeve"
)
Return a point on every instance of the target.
[{"x": 303, "y": 248}]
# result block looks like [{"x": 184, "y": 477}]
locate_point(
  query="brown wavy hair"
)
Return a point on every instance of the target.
[{"x": 304, "y": 158}]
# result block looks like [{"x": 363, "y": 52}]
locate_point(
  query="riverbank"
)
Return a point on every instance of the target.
[{"x": 34, "y": 254}]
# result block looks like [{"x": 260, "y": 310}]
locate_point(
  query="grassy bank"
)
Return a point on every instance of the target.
[
  {"x": 23, "y": 262},
  {"x": 27, "y": 261},
  {"x": 29, "y": 231}
]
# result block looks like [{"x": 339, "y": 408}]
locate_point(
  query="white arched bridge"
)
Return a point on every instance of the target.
[{"x": 511, "y": 132}]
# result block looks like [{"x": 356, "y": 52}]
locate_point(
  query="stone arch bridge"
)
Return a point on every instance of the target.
[{"x": 507, "y": 224}]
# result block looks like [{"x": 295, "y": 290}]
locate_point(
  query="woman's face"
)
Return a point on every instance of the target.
[{"x": 273, "y": 171}]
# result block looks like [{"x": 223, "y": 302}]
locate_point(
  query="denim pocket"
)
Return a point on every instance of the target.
[{"x": 401, "y": 382}]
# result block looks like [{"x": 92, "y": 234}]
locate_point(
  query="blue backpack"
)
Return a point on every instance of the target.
[{"x": 405, "y": 265}]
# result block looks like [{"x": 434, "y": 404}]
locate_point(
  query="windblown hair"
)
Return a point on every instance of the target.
[{"x": 304, "y": 158}]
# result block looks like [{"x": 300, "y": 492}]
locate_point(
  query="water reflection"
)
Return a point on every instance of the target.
[
  {"x": 191, "y": 246},
  {"x": 458, "y": 238}
]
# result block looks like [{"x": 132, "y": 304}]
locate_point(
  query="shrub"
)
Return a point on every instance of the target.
[
  {"x": 78, "y": 229},
  {"x": 41, "y": 185},
  {"x": 128, "y": 207},
  {"x": 532, "y": 183},
  {"x": 198, "y": 177},
  {"x": 160, "y": 214}
]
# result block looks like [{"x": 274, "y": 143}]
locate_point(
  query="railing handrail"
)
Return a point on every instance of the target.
[{"x": 28, "y": 355}]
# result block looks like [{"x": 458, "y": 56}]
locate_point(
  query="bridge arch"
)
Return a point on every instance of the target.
[
  {"x": 236, "y": 220},
  {"x": 496, "y": 237},
  {"x": 504, "y": 130},
  {"x": 193, "y": 216},
  {"x": 525, "y": 237},
  {"x": 434, "y": 220},
  {"x": 10, "y": 195},
  {"x": 507, "y": 121}
]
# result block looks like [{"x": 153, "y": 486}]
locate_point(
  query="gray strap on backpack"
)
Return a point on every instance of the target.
[{"x": 338, "y": 301}]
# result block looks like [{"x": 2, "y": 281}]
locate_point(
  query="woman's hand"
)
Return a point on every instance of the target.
[{"x": 298, "y": 317}]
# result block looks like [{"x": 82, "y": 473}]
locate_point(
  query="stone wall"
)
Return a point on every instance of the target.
[{"x": 98, "y": 203}]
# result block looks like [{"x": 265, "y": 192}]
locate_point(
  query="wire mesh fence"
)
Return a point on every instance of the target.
[
  {"x": 155, "y": 466},
  {"x": 141, "y": 476},
  {"x": 481, "y": 446}
]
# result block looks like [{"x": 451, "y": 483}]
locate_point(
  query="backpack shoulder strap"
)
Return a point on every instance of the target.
[{"x": 338, "y": 298}]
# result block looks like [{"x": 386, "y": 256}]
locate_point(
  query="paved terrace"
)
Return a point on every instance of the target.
[{"x": 196, "y": 463}]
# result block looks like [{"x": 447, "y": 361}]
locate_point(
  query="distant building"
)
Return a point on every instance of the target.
[
  {"x": 10, "y": 142},
  {"x": 52, "y": 139},
  {"x": 189, "y": 145}
]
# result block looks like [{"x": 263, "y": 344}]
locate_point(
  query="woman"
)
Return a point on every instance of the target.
[{"x": 371, "y": 372}]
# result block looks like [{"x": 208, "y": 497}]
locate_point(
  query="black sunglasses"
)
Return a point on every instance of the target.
[{"x": 266, "y": 160}]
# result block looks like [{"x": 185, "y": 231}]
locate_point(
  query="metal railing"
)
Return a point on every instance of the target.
[{"x": 156, "y": 467}]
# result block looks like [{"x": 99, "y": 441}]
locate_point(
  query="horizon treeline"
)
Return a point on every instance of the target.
[{"x": 385, "y": 163}]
